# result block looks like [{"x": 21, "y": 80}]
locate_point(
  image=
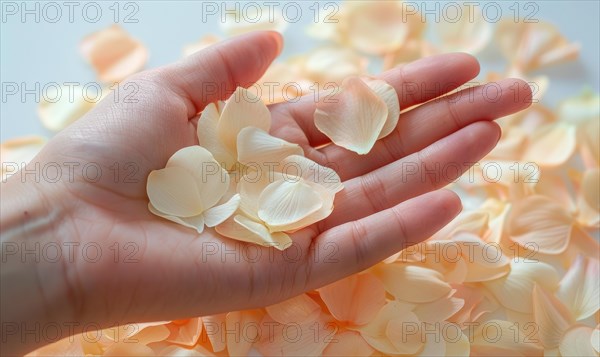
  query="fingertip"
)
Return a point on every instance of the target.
[
  {"x": 469, "y": 62},
  {"x": 450, "y": 202},
  {"x": 525, "y": 94}
]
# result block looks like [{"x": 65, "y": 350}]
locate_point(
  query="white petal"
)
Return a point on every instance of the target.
[
  {"x": 322, "y": 213},
  {"x": 207, "y": 134},
  {"x": 353, "y": 117},
  {"x": 196, "y": 222},
  {"x": 311, "y": 171},
  {"x": 284, "y": 202},
  {"x": 255, "y": 145},
  {"x": 388, "y": 94},
  {"x": 242, "y": 109},
  {"x": 245, "y": 229},
  {"x": 580, "y": 287},
  {"x": 251, "y": 186},
  {"x": 212, "y": 180},
  {"x": 173, "y": 191},
  {"x": 218, "y": 214},
  {"x": 577, "y": 342}
]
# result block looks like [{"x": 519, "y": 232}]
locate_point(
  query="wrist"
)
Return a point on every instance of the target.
[{"x": 33, "y": 286}]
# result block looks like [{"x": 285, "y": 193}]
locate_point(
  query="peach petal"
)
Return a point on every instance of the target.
[
  {"x": 348, "y": 344},
  {"x": 246, "y": 327},
  {"x": 295, "y": 310},
  {"x": 439, "y": 310},
  {"x": 17, "y": 152},
  {"x": 579, "y": 289},
  {"x": 551, "y": 317},
  {"x": 113, "y": 54},
  {"x": 308, "y": 338},
  {"x": 551, "y": 145},
  {"x": 499, "y": 338},
  {"x": 514, "y": 290},
  {"x": 60, "y": 107},
  {"x": 354, "y": 117},
  {"x": 355, "y": 299},
  {"x": 427, "y": 285},
  {"x": 214, "y": 325},
  {"x": 539, "y": 224},
  {"x": 187, "y": 334}
]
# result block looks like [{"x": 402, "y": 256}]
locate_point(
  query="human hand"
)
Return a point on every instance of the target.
[{"x": 150, "y": 269}]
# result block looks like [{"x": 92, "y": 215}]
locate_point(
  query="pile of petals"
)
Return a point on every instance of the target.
[
  {"x": 276, "y": 190},
  {"x": 516, "y": 273}
]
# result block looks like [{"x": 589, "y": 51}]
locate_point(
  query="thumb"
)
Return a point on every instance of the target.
[{"x": 215, "y": 72}]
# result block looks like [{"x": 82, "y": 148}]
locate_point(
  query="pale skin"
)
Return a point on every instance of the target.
[{"x": 150, "y": 269}]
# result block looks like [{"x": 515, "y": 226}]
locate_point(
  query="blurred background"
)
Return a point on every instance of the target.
[{"x": 38, "y": 46}]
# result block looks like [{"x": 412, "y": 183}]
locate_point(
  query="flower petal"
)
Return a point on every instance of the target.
[
  {"x": 539, "y": 224},
  {"x": 242, "y": 109},
  {"x": 500, "y": 338},
  {"x": 285, "y": 202},
  {"x": 173, "y": 191},
  {"x": 196, "y": 222},
  {"x": 514, "y": 290},
  {"x": 427, "y": 285},
  {"x": 577, "y": 342},
  {"x": 394, "y": 330},
  {"x": 355, "y": 299},
  {"x": 551, "y": 145},
  {"x": 439, "y": 310},
  {"x": 207, "y": 134},
  {"x": 250, "y": 187},
  {"x": 218, "y": 214},
  {"x": 211, "y": 179},
  {"x": 245, "y": 229},
  {"x": 348, "y": 344},
  {"x": 186, "y": 334},
  {"x": 551, "y": 317},
  {"x": 256, "y": 146},
  {"x": 313, "y": 172},
  {"x": 579, "y": 289},
  {"x": 296, "y": 310},
  {"x": 352, "y": 118},
  {"x": 17, "y": 152},
  {"x": 246, "y": 325},
  {"x": 388, "y": 94},
  {"x": 113, "y": 53}
]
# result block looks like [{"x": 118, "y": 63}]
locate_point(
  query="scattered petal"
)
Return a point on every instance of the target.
[
  {"x": 218, "y": 214},
  {"x": 258, "y": 147},
  {"x": 285, "y": 202}
]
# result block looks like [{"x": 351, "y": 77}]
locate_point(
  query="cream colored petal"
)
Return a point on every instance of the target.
[
  {"x": 355, "y": 299},
  {"x": 475, "y": 222},
  {"x": 577, "y": 342},
  {"x": 113, "y": 53},
  {"x": 595, "y": 339},
  {"x": 539, "y": 224},
  {"x": 469, "y": 31},
  {"x": 500, "y": 338},
  {"x": 579, "y": 289},
  {"x": 588, "y": 200},
  {"x": 17, "y": 152},
  {"x": 208, "y": 138},
  {"x": 245, "y": 229},
  {"x": 218, "y": 214},
  {"x": 394, "y": 330},
  {"x": 348, "y": 344},
  {"x": 258, "y": 147},
  {"x": 388, "y": 94},
  {"x": 311, "y": 171},
  {"x": 173, "y": 191},
  {"x": 196, "y": 222},
  {"x": 353, "y": 117},
  {"x": 285, "y": 202},
  {"x": 514, "y": 290},
  {"x": 296, "y": 310},
  {"x": 444, "y": 339},
  {"x": 581, "y": 108},
  {"x": 211, "y": 179},
  {"x": 253, "y": 18},
  {"x": 333, "y": 64},
  {"x": 62, "y": 105},
  {"x": 551, "y": 317},
  {"x": 251, "y": 185},
  {"x": 438, "y": 310},
  {"x": 242, "y": 109},
  {"x": 551, "y": 145},
  {"x": 427, "y": 285},
  {"x": 327, "y": 207}
]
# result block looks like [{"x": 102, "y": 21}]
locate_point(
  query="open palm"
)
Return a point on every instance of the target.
[{"x": 151, "y": 269}]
